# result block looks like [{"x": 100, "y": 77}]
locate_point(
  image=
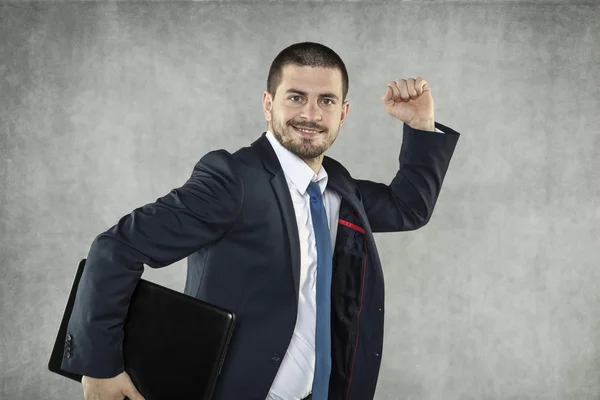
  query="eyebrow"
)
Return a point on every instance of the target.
[{"x": 292, "y": 90}]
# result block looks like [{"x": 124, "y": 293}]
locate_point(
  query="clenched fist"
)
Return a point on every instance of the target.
[{"x": 410, "y": 101}]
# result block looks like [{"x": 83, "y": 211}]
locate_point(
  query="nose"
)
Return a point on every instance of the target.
[{"x": 311, "y": 112}]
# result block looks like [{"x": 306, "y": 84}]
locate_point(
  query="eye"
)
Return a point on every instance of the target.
[{"x": 328, "y": 104}]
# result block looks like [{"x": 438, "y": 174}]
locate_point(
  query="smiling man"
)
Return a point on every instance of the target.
[
  {"x": 305, "y": 123},
  {"x": 281, "y": 235}
]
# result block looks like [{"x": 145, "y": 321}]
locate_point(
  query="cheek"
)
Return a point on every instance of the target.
[{"x": 285, "y": 114}]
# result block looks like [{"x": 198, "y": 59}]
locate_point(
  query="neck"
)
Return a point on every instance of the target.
[{"x": 314, "y": 163}]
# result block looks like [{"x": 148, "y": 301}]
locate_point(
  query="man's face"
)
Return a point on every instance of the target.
[{"x": 310, "y": 98}]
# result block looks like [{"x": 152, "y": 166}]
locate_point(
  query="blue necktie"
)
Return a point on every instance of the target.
[{"x": 320, "y": 386}]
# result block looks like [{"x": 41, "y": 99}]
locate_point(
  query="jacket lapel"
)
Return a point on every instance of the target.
[
  {"x": 282, "y": 191},
  {"x": 342, "y": 183},
  {"x": 337, "y": 179}
]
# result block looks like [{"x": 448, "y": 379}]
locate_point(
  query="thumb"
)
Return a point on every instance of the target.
[
  {"x": 133, "y": 394},
  {"x": 387, "y": 96}
]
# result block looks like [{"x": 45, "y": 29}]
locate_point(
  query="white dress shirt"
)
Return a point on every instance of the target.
[
  {"x": 295, "y": 375},
  {"x": 294, "y": 378}
]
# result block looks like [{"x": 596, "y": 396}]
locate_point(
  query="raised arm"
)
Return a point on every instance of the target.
[{"x": 408, "y": 202}]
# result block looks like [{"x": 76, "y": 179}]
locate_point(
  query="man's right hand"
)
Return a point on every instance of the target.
[{"x": 115, "y": 388}]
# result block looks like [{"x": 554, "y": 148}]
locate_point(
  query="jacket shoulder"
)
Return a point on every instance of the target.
[
  {"x": 247, "y": 157},
  {"x": 334, "y": 167}
]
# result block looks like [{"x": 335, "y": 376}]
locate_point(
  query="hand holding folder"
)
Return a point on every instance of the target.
[
  {"x": 111, "y": 388},
  {"x": 173, "y": 343}
]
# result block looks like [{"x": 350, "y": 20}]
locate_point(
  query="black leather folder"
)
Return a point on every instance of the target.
[{"x": 174, "y": 345}]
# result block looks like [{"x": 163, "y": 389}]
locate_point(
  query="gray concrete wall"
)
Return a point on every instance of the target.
[{"x": 105, "y": 107}]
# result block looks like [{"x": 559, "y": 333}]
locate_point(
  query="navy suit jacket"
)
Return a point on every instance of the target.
[{"x": 234, "y": 221}]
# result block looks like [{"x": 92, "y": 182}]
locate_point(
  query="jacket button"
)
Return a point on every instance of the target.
[
  {"x": 68, "y": 354},
  {"x": 68, "y": 337},
  {"x": 276, "y": 358}
]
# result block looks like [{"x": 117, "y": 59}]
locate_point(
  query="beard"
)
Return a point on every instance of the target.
[{"x": 303, "y": 147}]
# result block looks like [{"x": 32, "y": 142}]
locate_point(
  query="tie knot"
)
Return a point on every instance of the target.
[{"x": 313, "y": 190}]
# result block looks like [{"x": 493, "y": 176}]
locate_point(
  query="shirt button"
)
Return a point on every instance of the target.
[{"x": 276, "y": 358}]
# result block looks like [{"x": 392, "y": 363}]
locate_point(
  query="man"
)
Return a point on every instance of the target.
[{"x": 279, "y": 234}]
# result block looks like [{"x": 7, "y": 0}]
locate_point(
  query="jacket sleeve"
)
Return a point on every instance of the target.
[
  {"x": 408, "y": 202},
  {"x": 157, "y": 234}
]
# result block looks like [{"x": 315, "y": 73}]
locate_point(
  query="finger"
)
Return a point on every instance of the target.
[
  {"x": 133, "y": 394},
  {"x": 395, "y": 92},
  {"x": 425, "y": 86},
  {"x": 403, "y": 89},
  {"x": 419, "y": 83},
  {"x": 410, "y": 85}
]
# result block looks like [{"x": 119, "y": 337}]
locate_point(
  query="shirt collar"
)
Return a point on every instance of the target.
[{"x": 295, "y": 168}]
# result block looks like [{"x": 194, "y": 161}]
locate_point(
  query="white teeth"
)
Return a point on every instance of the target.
[{"x": 307, "y": 131}]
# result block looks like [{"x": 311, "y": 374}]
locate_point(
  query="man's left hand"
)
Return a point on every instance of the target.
[{"x": 410, "y": 101}]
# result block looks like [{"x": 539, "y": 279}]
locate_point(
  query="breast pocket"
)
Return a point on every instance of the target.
[{"x": 353, "y": 238}]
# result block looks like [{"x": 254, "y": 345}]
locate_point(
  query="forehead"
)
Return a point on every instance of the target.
[{"x": 312, "y": 79}]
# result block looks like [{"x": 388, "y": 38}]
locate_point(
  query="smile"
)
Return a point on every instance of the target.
[{"x": 304, "y": 131}]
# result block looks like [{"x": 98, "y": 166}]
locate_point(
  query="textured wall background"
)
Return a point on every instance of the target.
[{"x": 105, "y": 107}]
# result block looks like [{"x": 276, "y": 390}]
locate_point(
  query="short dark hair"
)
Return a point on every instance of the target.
[{"x": 306, "y": 54}]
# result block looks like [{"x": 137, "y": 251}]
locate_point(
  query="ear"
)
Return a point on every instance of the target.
[
  {"x": 267, "y": 105},
  {"x": 345, "y": 109}
]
